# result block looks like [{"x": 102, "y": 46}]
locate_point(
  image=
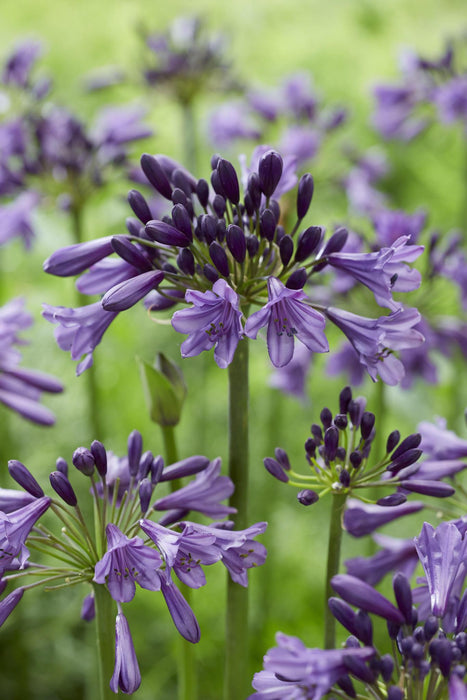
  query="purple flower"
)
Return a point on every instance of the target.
[
  {"x": 127, "y": 293},
  {"x": 292, "y": 378},
  {"x": 76, "y": 258},
  {"x": 346, "y": 360},
  {"x": 8, "y": 604},
  {"x": 14, "y": 529},
  {"x": 395, "y": 555},
  {"x": 16, "y": 218},
  {"x": 11, "y": 500},
  {"x": 363, "y": 596},
  {"x": 361, "y": 519},
  {"x": 212, "y": 321},
  {"x": 392, "y": 224},
  {"x": 442, "y": 552},
  {"x": 229, "y": 122},
  {"x": 126, "y": 562},
  {"x": 126, "y": 676},
  {"x": 80, "y": 330},
  {"x": 286, "y": 316},
  {"x": 203, "y": 494},
  {"x": 451, "y": 100},
  {"x": 301, "y": 142},
  {"x": 181, "y": 613},
  {"x": 440, "y": 443},
  {"x": 20, "y": 62}
]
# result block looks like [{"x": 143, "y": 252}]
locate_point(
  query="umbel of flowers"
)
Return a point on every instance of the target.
[
  {"x": 223, "y": 253},
  {"x": 109, "y": 556}
]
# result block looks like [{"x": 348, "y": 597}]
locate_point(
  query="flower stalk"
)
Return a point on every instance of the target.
[
  {"x": 332, "y": 568},
  {"x": 105, "y": 623}
]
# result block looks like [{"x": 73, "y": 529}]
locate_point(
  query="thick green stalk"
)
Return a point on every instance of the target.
[
  {"x": 236, "y": 681},
  {"x": 334, "y": 553},
  {"x": 105, "y": 630},
  {"x": 187, "y": 676},
  {"x": 76, "y": 213}
]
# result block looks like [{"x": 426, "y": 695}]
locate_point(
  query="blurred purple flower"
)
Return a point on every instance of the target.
[
  {"x": 230, "y": 122},
  {"x": 395, "y": 555},
  {"x": 451, "y": 100},
  {"x": 361, "y": 519},
  {"x": 292, "y": 378},
  {"x": 440, "y": 443},
  {"x": 16, "y": 218}
]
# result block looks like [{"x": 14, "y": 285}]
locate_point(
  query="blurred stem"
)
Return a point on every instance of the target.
[
  {"x": 105, "y": 626},
  {"x": 236, "y": 664},
  {"x": 334, "y": 554},
  {"x": 189, "y": 136},
  {"x": 76, "y": 213},
  {"x": 187, "y": 676},
  {"x": 378, "y": 445}
]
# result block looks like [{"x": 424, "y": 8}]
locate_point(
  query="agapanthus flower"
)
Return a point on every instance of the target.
[
  {"x": 21, "y": 388},
  {"x": 109, "y": 554},
  {"x": 221, "y": 254}
]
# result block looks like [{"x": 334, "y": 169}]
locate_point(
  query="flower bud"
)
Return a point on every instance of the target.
[
  {"x": 135, "y": 447},
  {"x": 100, "y": 457},
  {"x": 182, "y": 221},
  {"x": 409, "y": 443},
  {"x": 394, "y": 499},
  {"x": 367, "y": 424},
  {"x": 345, "y": 397},
  {"x": 286, "y": 250},
  {"x": 252, "y": 244},
  {"x": 145, "y": 493},
  {"x": 304, "y": 195},
  {"x": 88, "y": 608},
  {"x": 270, "y": 172},
  {"x": 202, "y": 192},
  {"x": 139, "y": 206},
  {"x": 218, "y": 204},
  {"x": 308, "y": 242},
  {"x": 276, "y": 469},
  {"x": 186, "y": 262},
  {"x": 326, "y": 417},
  {"x": 403, "y": 595},
  {"x": 165, "y": 233},
  {"x": 219, "y": 258},
  {"x": 282, "y": 457},
  {"x": 331, "y": 441},
  {"x": 24, "y": 478},
  {"x": 145, "y": 464},
  {"x": 157, "y": 468},
  {"x": 83, "y": 460},
  {"x": 267, "y": 224},
  {"x": 128, "y": 252},
  {"x": 229, "y": 180},
  {"x": 62, "y": 465},
  {"x": 392, "y": 440},
  {"x": 336, "y": 242},
  {"x": 236, "y": 242},
  {"x": 307, "y": 497},
  {"x": 156, "y": 175},
  {"x": 297, "y": 279},
  {"x": 210, "y": 272},
  {"x": 63, "y": 488}
]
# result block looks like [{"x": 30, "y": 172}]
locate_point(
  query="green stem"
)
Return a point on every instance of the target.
[
  {"x": 236, "y": 664},
  {"x": 105, "y": 629},
  {"x": 334, "y": 552},
  {"x": 189, "y": 136},
  {"x": 187, "y": 676}
]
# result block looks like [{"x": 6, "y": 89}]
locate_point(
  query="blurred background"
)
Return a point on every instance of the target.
[{"x": 46, "y": 651}]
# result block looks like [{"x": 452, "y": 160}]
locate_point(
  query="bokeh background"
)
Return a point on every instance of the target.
[{"x": 46, "y": 651}]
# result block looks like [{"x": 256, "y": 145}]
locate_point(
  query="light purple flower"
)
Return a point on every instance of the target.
[
  {"x": 292, "y": 378},
  {"x": 20, "y": 62},
  {"x": 363, "y": 596},
  {"x": 181, "y": 613},
  {"x": 457, "y": 688},
  {"x": 286, "y": 316},
  {"x": 391, "y": 224},
  {"x": 127, "y": 293},
  {"x": 74, "y": 259},
  {"x": 395, "y": 555},
  {"x": 212, "y": 321},
  {"x": 16, "y": 218},
  {"x": 451, "y": 100},
  {"x": 126, "y": 562},
  {"x": 80, "y": 330},
  {"x": 126, "y": 676},
  {"x": 8, "y": 604},
  {"x": 231, "y": 121},
  {"x": 302, "y": 142},
  {"x": 362, "y": 519},
  {"x": 12, "y": 499},
  {"x": 442, "y": 552},
  {"x": 14, "y": 529},
  {"x": 440, "y": 443}
]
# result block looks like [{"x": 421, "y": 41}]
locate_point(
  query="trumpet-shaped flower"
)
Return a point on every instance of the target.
[{"x": 126, "y": 676}]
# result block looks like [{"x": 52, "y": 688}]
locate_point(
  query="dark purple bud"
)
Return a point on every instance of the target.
[
  {"x": 210, "y": 272},
  {"x": 344, "y": 614},
  {"x": 403, "y": 595},
  {"x": 202, "y": 191},
  {"x": 186, "y": 262},
  {"x": 341, "y": 454},
  {"x": 215, "y": 158},
  {"x": 145, "y": 464},
  {"x": 254, "y": 190},
  {"x": 345, "y": 397},
  {"x": 236, "y": 242},
  {"x": 417, "y": 653},
  {"x": 129, "y": 292},
  {"x": 351, "y": 643},
  {"x": 99, "y": 453},
  {"x": 344, "y": 478},
  {"x": 219, "y": 258},
  {"x": 221, "y": 230},
  {"x": 179, "y": 197},
  {"x": 437, "y": 489},
  {"x": 276, "y": 469},
  {"x": 307, "y": 243},
  {"x": 275, "y": 208},
  {"x": 24, "y": 478},
  {"x": 395, "y": 693},
  {"x": 180, "y": 179},
  {"x": 167, "y": 234},
  {"x": 345, "y": 684},
  {"x": 286, "y": 250},
  {"x": 367, "y": 424},
  {"x": 307, "y": 497},
  {"x": 229, "y": 180},
  {"x": 386, "y": 666},
  {"x": 63, "y": 488},
  {"x": 135, "y": 448},
  {"x": 185, "y": 467},
  {"x": 156, "y": 175},
  {"x": 157, "y": 468},
  {"x": 409, "y": 443},
  {"x": 208, "y": 228},
  {"x": 88, "y": 608},
  {"x": 304, "y": 195},
  {"x": 404, "y": 460},
  {"x": 182, "y": 220},
  {"x": 359, "y": 669},
  {"x": 317, "y": 432},
  {"x": 362, "y": 595},
  {"x": 248, "y": 204},
  {"x": 355, "y": 410},
  {"x": 282, "y": 457},
  {"x": 364, "y": 628},
  {"x": 356, "y": 459},
  {"x": 393, "y": 629},
  {"x": 340, "y": 421},
  {"x": 61, "y": 465},
  {"x": 279, "y": 235},
  {"x": 145, "y": 493},
  {"x": 270, "y": 172},
  {"x": 331, "y": 441},
  {"x": 326, "y": 417},
  {"x": 217, "y": 184},
  {"x": 392, "y": 440},
  {"x": 441, "y": 652},
  {"x": 267, "y": 224},
  {"x": 218, "y": 204},
  {"x": 83, "y": 460},
  {"x": 310, "y": 447},
  {"x": 134, "y": 227},
  {"x": 252, "y": 245},
  {"x": 139, "y": 206},
  {"x": 394, "y": 499},
  {"x": 128, "y": 252},
  {"x": 336, "y": 242},
  {"x": 297, "y": 279},
  {"x": 430, "y": 627}
]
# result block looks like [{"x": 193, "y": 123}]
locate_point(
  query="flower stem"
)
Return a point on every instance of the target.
[
  {"x": 334, "y": 551},
  {"x": 187, "y": 676},
  {"x": 105, "y": 625},
  {"x": 236, "y": 664}
]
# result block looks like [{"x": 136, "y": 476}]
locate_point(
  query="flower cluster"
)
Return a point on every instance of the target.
[
  {"x": 20, "y": 388},
  {"x": 341, "y": 462},
  {"x": 226, "y": 259},
  {"x": 113, "y": 558},
  {"x": 426, "y": 630}
]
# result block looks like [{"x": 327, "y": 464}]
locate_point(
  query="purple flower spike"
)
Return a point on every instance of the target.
[
  {"x": 212, "y": 321},
  {"x": 363, "y": 596},
  {"x": 361, "y": 519},
  {"x": 126, "y": 676},
  {"x": 126, "y": 562},
  {"x": 129, "y": 292},
  {"x": 8, "y": 604},
  {"x": 181, "y": 613},
  {"x": 286, "y": 316},
  {"x": 442, "y": 552},
  {"x": 74, "y": 259}
]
